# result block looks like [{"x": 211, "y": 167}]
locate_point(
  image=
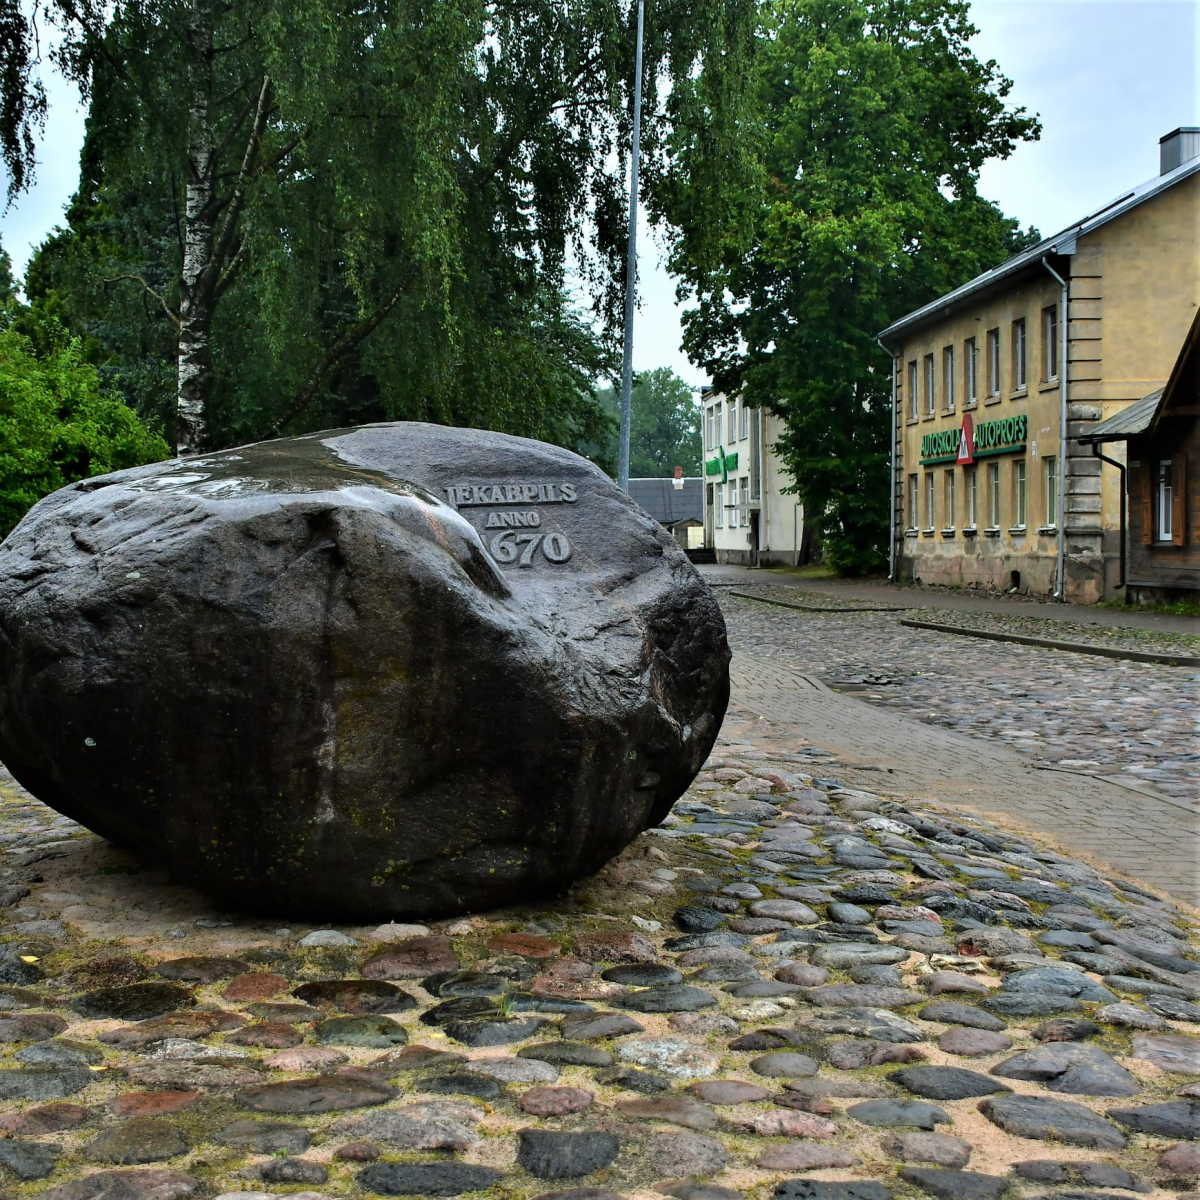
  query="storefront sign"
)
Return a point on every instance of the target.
[
  {"x": 971, "y": 441},
  {"x": 722, "y": 464}
]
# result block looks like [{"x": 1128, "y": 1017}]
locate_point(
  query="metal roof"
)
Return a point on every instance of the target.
[
  {"x": 667, "y": 505},
  {"x": 1062, "y": 242},
  {"x": 1129, "y": 422}
]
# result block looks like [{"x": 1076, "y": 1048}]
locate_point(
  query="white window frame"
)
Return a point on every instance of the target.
[
  {"x": 914, "y": 399},
  {"x": 1051, "y": 470},
  {"x": 744, "y": 502},
  {"x": 948, "y": 376},
  {"x": 1050, "y": 338},
  {"x": 948, "y": 490},
  {"x": 731, "y": 421},
  {"x": 744, "y": 429},
  {"x": 1020, "y": 355},
  {"x": 914, "y": 501},
  {"x": 708, "y": 427},
  {"x": 930, "y": 393},
  {"x": 970, "y": 371},
  {"x": 719, "y": 506},
  {"x": 1020, "y": 494},
  {"x": 930, "y": 498},
  {"x": 993, "y": 363},
  {"x": 993, "y": 495},
  {"x": 971, "y": 482},
  {"x": 1163, "y": 503}
]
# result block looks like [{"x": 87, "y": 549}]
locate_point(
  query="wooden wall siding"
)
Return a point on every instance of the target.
[{"x": 1155, "y": 564}]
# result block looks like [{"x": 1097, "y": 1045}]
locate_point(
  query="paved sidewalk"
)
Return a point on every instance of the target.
[
  {"x": 1154, "y": 839},
  {"x": 885, "y": 593}
]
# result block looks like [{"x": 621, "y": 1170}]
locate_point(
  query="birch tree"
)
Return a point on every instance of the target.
[{"x": 401, "y": 208}]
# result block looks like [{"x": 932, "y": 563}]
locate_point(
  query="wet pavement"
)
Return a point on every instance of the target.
[{"x": 1138, "y": 722}]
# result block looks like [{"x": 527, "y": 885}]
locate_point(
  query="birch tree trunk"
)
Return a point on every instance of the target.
[{"x": 196, "y": 300}]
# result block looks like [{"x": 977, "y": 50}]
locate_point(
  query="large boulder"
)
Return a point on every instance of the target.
[{"x": 393, "y": 671}]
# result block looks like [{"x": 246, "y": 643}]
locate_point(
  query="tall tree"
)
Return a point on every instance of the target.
[
  {"x": 873, "y": 119},
  {"x": 664, "y": 428},
  {"x": 359, "y": 213}
]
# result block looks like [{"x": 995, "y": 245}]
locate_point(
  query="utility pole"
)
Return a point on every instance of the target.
[{"x": 631, "y": 263}]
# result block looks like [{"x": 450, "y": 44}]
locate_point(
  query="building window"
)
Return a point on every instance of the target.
[
  {"x": 1050, "y": 338},
  {"x": 719, "y": 506},
  {"x": 950, "y": 474},
  {"x": 914, "y": 500},
  {"x": 929, "y": 500},
  {"x": 731, "y": 422},
  {"x": 709, "y": 440},
  {"x": 970, "y": 371},
  {"x": 1051, "y": 468},
  {"x": 971, "y": 486},
  {"x": 993, "y": 363},
  {"x": 912, "y": 390},
  {"x": 948, "y": 376},
  {"x": 1164, "y": 527},
  {"x": 993, "y": 498},
  {"x": 716, "y": 426},
  {"x": 744, "y": 504},
  {"x": 744, "y": 432},
  {"x": 1019, "y": 494},
  {"x": 1018, "y": 333},
  {"x": 929, "y": 399}
]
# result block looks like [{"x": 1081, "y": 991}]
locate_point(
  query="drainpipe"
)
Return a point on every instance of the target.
[
  {"x": 764, "y": 514},
  {"x": 1060, "y": 590},
  {"x": 1112, "y": 462},
  {"x": 892, "y": 498}
]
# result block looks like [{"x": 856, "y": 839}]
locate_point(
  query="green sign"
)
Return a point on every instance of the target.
[
  {"x": 722, "y": 464},
  {"x": 966, "y": 444}
]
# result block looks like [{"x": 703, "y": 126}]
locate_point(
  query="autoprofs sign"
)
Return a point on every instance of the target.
[
  {"x": 971, "y": 441},
  {"x": 722, "y": 464}
]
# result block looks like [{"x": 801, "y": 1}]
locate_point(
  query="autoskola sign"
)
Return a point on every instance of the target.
[{"x": 971, "y": 441}]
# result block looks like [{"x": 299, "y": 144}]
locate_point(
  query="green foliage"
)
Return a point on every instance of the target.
[
  {"x": 664, "y": 427},
  {"x": 873, "y": 119},
  {"x": 430, "y": 172},
  {"x": 58, "y": 424}
]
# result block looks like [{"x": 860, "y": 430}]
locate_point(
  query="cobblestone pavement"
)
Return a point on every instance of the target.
[
  {"x": 1138, "y": 722},
  {"x": 797, "y": 986},
  {"x": 955, "y": 599}
]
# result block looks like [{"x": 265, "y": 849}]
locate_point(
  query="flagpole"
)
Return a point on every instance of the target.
[{"x": 631, "y": 263}]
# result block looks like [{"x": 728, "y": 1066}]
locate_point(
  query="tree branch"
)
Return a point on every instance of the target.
[
  {"x": 157, "y": 295},
  {"x": 237, "y": 201},
  {"x": 347, "y": 342},
  {"x": 231, "y": 271}
]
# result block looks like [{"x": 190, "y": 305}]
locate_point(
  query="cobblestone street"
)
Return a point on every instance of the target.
[
  {"x": 797, "y": 987},
  {"x": 1137, "y": 722}
]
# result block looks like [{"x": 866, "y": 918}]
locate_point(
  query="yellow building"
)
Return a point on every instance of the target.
[{"x": 991, "y": 487}]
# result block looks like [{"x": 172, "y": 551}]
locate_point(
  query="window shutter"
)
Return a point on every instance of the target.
[
  {"x": 1178, "y": 498},
  {"x": 1147, "y": 474}
]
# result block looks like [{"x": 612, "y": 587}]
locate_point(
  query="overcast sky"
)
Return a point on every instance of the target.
[{"x": 1107, "y": 77}]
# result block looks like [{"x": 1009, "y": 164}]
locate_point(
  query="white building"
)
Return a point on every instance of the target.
[{"x": 748, "y": 517}]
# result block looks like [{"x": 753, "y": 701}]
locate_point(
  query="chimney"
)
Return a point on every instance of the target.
[
  {"x": 679, "y": 479},
  {"x": 1178, "y": 147}
]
